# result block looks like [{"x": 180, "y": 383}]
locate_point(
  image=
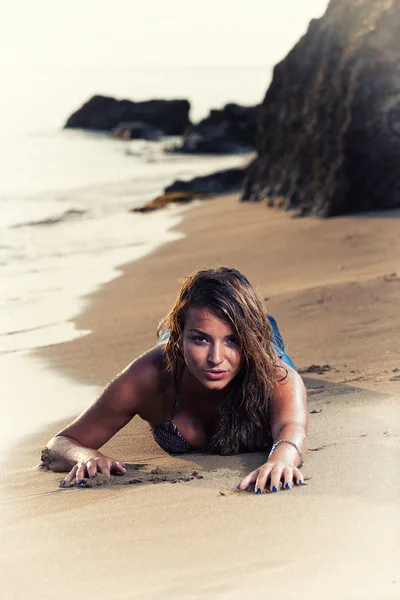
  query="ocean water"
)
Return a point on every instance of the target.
[{"x": 84, "y": 183}]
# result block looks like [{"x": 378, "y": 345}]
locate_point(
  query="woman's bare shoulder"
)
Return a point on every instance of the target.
[
  {"x": 150, "y": 377},
  {"x": 150, "y": 368}
]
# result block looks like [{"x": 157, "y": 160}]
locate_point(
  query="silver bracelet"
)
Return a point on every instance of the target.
[{"x": 276, "y": 444}]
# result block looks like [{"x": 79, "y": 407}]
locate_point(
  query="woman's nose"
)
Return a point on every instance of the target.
[{"x": 215, "y": 355}]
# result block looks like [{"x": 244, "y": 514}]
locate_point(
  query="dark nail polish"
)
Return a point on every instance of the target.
[
  {"x": 274, "y": 488},
  {"x": 287, "y": 486},
  {"x": 80, "y": 482},
  {"x": 258, "y": 491},
  {"x": 300, "y": 481}
]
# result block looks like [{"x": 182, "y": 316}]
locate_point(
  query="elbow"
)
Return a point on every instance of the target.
[
  {"x": 50, "y": 460},
  {"x": 52, "y": 456}
]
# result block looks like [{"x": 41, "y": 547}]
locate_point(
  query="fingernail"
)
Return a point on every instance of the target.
[
  {"x": 80, "y": 482},
  {"x": 300, "y": 481},
  {"x": 287, "y": 486},
  {"x": 274, "y": 488},
  {"x": 258, "y": 491}
]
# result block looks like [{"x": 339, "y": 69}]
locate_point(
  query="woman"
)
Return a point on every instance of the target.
[{"x": 218, "y": 381}]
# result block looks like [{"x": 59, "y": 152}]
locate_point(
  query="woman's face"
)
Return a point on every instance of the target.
[{"x": 211, "y": 349}]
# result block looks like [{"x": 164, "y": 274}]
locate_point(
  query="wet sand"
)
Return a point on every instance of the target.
[{"x": 334, "y": 287}]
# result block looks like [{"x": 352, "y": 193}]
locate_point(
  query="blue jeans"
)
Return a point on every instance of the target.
[
  {"x": 278, "y": 344},
  {"x": 277, "y": 341}
]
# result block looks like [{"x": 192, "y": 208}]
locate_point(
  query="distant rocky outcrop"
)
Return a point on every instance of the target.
[
  {"x": 229, "y": 130},
  {"x": 329, "y": 128},
  {"x": 102, "y": 113},
  {"x": 221, "y": 182}
]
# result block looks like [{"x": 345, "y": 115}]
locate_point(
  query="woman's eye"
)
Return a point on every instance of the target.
[{"x": 198, "y": 339}]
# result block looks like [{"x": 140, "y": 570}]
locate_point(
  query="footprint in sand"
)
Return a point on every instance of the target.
[
  {"x": 136, "y": 474},
  {"x": 317, "y": 369},
  {"x": 315, "y": 391}
]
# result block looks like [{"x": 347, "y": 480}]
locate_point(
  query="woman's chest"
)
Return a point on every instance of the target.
[{"x": 196, "y": 431}]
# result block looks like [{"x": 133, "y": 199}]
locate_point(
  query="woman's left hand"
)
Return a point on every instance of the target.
[{"x": 274, "y": 472}]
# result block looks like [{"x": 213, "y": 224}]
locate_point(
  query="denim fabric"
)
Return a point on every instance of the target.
[
  {"x": 164, "y": 335},
  {"x": 278, "y": 344}
]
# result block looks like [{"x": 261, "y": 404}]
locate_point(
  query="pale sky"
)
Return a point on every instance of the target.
[{"x": 46, "y": 33}]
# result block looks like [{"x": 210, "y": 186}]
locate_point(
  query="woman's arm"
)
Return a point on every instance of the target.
[
  {"x": 132, "y": 392},
  {"x": 66, "y": 454},
  {"x": 289, "y": 421}
]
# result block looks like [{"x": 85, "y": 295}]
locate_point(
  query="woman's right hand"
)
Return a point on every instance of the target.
[{"x": 95, "y": 462}]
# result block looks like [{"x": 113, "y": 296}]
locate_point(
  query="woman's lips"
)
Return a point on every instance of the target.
[{"x": 215, "y": 375}]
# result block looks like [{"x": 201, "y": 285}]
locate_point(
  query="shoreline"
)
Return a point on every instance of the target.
[
  {"x": 21, "y": 348},
  {"x": 331, "y": 287}
]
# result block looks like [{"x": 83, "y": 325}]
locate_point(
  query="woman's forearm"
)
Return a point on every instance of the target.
[
  {"x": 289, "y": 418},
  {"x": 62, "y": 453},
  {"x": 295, "y": 432}
]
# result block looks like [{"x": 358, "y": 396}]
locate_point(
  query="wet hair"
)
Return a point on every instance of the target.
[{"x": 244, "y": 423}]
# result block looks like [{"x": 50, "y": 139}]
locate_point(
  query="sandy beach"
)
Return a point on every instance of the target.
[{"x": 334, "y": 287}]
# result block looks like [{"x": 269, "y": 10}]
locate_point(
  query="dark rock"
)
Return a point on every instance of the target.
[
  {"x": 229, "y": 180},
  {"x": 227, "y": 131},
  {"x": 329, "y": 128},
  {"x": 319, "y": 369},
  {"x": 164, "y": 199},
  {"x": 103, "y": 113},
  {"x": 133, "y": 130},
  {"x": 221, "y": 182}
]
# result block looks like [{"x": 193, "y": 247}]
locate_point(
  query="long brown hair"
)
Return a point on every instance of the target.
[{"x": 244, "y": 423}]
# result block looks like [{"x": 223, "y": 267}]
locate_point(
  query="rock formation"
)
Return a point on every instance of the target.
[
  {"x": 199, "y": 188},
  {"x": 103, "y": 113},
  {"x": 227, "y": 131},
  {"x": 220, "y": 182},
  {"x": 328, "y": 136}
]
